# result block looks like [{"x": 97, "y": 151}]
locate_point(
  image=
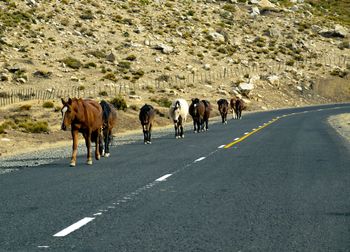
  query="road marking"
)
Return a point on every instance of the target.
[
  {"x": 221, "y": 146},
  {"x": 43, "y": 246},
  {"x": 163, "y": 178},
  {"x": 199, "y": 159},
  {"x": 247, "y": 135},
  {"x": 96, "y": 214},
  {"x": 74, "y": 227}
]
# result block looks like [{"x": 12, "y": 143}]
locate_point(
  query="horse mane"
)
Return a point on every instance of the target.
[
  {"x": 106, "y": 111},
  {"x": 206, "y": 103}
]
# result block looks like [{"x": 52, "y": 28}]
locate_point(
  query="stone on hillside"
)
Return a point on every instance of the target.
[
  {"x": 206, "y": 66},
  {"x": 337, "y": 31},
  {"x": 21, "y": 80},
  {"x": 217, "y": 37},
  {"x": 223, "y": 92},
  {"x": 245, "y": 88},
  {"x": 4, "y": 77},
  {"x": 135, "y": 97},
  {"x": 267, "y": 5},
  {"x": 273, "y": 79},
  {"x": 164, "y": 48},
  {"x": 254, "y": 11},
  {"x": 110, "y": 57},
  {"x": 273, "y": 33}
]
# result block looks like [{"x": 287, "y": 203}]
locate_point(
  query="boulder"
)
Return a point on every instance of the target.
[
  {"x": 245, "y": 88},
  {"x": 338, "y": 31},
  {"x": 164, "y": 48},
  {"x": 217, "y": 37},
  {"x": 254, "y": 11}
]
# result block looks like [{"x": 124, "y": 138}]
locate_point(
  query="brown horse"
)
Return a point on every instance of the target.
[
  {"x": 239, "y": 106},
  {"x": 197, "y": 110},
  {"x": 84, "y": 116},
  {"x": 206, "y": 114},
  {"x": 223, "y": 109},
  {"x": 232, "y": 106},
  {"x": 146, "y": 116},
  {"x": 200, "y": 112},
  {"x": 109, "y": 117}
]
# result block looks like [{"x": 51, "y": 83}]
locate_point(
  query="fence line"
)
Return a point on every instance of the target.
[{"x": 178, "y": 80}]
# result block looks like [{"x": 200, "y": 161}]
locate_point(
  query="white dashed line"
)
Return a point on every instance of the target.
[
  {"x": 199, "y": 159},
  {"x": 221, "y": 146},
  {"x": 96, "y": 214},
  {"x": 236, "y": 139},
  {"x": 74, "y": 227},
  {"x": 246, "y": 133},
  {"x": 163, "y": 178},
  {"x": 43, "y": 247}
]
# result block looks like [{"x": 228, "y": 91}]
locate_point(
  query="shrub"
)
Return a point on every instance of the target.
[
  {"x": 119, "y": 103},
  {"x": 110, "y": 76},
  {"x": 48, "y": 104},
  {"x": 124, "y": 65},
  {"x": 131, "y": 57},
  {"x": 103, "y": 93},
  {"x": 72, "y": 63},
  {"x": 34, "y": 127},
  {"x": 163, "y": 102},
  {"x": 25, "y": 107}
]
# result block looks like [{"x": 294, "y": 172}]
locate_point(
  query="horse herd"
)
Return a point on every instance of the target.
[{"x": 96, "y": 120}]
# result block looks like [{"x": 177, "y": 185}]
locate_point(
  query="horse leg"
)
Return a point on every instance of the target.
[
  {"x": 149, "y": 133},
  {"x": 97, "y": 147},
  {"x": 107, "y": 141},
  {"x": 74, "y": 148},
  {"x": 101, "y": 144},
  {"x": 206, "y": 125},
  {"x": 87, "y": 137},
  {"x": 176, "y": 130},
  {"x": 194, "y": 126}
]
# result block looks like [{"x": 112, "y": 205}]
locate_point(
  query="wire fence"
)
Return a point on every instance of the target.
[{"x": 178, "y": 80}]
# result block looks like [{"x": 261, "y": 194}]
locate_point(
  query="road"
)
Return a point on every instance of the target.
[{"x": 273, "y": 181}]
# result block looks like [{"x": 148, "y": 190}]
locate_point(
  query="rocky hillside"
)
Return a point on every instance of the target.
[{"x": 275, "y": 53}]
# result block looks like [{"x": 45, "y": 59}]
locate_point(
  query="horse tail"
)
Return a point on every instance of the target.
[{"x": 106, "y": 111}]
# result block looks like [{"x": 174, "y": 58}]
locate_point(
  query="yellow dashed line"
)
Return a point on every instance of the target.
[{"x": 249, "y": 134}]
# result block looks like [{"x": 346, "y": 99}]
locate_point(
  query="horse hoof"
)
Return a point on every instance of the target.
[
  {"x": 148, "y": 142},
  {"x": 89, "y": 162},
  {"x": 98, "y": 157},
  {"x": 107, "y": 154},
  {"x": 72, "y": 164},
  {"x": 103, "y": 153},
  {"x": 194, "y": 132},
  {"x": 182, "y": 136}
]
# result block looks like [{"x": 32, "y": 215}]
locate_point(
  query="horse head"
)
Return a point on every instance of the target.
[
  {"x": 177, "y": 111},
  {"x": 68, "y": 113}
]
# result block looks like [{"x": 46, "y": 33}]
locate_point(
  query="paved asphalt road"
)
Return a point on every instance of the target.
[{"x": 283, "y": 188}]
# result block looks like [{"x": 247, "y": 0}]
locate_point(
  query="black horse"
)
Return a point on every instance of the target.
[
  {"x": 223, "y": 109},
  {"x": 146, "y": 116},
  {"x": 109, "y": 117}
]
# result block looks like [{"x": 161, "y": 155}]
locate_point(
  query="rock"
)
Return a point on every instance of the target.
[
  {"x": 110, "y": 57},
  {"x": 217, "y": 37},
  {"x": 21, "y": 80},
  {"x": 273, "y": 79},
  {"x": 135, "y": 97},
  {"x": 254, "y": 11},
  {"x": 245, "y": 88},
  {"x": 273, "y": 33},
  {"x": 299, "y": 88},
  {"x": 206, "y": 66},
  {"x": 266, "y": 5},
  {"x": 338, "y": 31},
  {"x": 164, "y": 48},
  {"x": 74, "y": 78},
  {"x": 223, "y": 92},
  {"x": 4, "y": 77}
]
